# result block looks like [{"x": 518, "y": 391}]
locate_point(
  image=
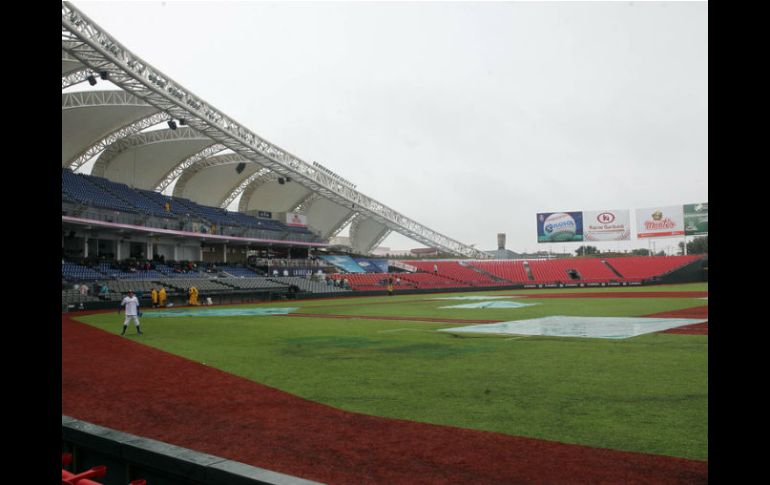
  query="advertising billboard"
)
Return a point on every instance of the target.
[
  {"x": 559, "y": 227},
  {"x": 296, "y": 220},
  {"x": 607, "y": 225},
  {"x": 660, "y": 222},
  {"x": 696, "y": 219}
]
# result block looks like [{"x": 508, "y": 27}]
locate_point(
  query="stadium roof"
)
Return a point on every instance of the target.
[{"x": 207, "y": 156}]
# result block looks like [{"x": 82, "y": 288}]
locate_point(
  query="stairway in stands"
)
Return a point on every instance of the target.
[{"x": 606, "y": 263}]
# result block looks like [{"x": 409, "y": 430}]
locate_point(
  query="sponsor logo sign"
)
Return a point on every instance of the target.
[
  {"x": 696, "y": 218},
  {"x": 607, "y": 225},
  {"x": 559, "y": 226},
  {"x": 660, "y": 222}
]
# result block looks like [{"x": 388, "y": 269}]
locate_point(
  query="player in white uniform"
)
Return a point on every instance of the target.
[{"x": 131, "y": 303}]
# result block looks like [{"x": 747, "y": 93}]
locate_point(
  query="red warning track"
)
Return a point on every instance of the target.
[
  {"x": 115, "y": 382},
  {"x": 695, "y": 312}
]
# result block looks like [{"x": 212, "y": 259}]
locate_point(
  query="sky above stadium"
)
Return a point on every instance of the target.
[{"x": 468, "y": 117}]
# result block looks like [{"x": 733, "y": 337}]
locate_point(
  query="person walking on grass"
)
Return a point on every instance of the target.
[{"x": 131, "y": 303}]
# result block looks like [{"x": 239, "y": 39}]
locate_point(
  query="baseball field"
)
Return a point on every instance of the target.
[{"x": 633, "y": 397}]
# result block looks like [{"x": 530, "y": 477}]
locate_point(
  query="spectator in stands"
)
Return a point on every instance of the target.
[
  {"x": 435, "y": 269},
  {"x": 154, "y": 297},
  {"x": 131, "y": 303},
  {"x": 104, "y": 290},
  {"x": 162, "y": 297},
  {"x": 167, "y": 205},
  {"x": 346, "y": 284},
  {"x": 83, "y": 289}
]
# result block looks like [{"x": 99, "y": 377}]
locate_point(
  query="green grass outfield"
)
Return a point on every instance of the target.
[{"x": 643, "y": 394}]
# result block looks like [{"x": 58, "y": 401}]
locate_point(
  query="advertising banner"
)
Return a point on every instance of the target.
[
  {"x": 373, "y": 265},
  {"x": 607, "y": 225},
  {"x": 696, "y": 219},
  {"x": 265, "y": 214},
  {"x": 296, "y": 220},
  {"x": 660, "y": 222},
  {"x": 345, "y": 262},
  {"x": 559, "y": 227}
]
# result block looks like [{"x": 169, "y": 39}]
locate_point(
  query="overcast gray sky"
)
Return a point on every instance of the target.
[{"x": 468, "y": 117}]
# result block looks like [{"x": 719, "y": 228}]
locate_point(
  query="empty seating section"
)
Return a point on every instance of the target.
[
  {"x": 177, "y": 272},
  {"x": 79, "y": 188},
  {"x": 455, "y": 271},
  {"x": 364, "y": 281},
  {"x": 547, "y": 271},
  {"x": 238, "y": 271},
  {"x": 72, "y": 296},
  {"x": 591, "y": 270},
  {"x": 139, "y": 286},
  {"x": 101, "y": 192},
  {"x": 77, "y": 272},
  {"x": 640, "y": 267},
  {"x": 305, "y": 284},
  {"x": 254, "y": 284},
  {"x": 184, "y": 284},
  {"x": 429, "y": 280},
  {"x": 131, "y": 196},
  {"x": 588, "y": 270},
  {"x": 159, "y": 200},
  {"x": 512, "y": 271},
  {"x": 139, "y": 274}
]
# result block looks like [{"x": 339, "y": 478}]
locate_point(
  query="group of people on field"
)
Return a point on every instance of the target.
[
  {"x": 131, "y": 305},
  {"x": 158, "y": 297}
]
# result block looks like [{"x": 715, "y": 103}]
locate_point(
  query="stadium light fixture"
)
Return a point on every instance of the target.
[
  {"x": 104, "y": 75},
  {"x": 91, "y": 80},
  {"x": 182, "y": 121},
  {"x": 172, "y": 124}
]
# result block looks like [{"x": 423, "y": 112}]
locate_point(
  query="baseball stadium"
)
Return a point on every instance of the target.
[{"x": 265, "y": 348}]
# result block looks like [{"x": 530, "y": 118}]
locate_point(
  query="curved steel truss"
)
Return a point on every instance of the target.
[
  {"x": 140, "y": 139},
  {"x": 90, "y": 44},
  {"x": 180, "y": 169}
]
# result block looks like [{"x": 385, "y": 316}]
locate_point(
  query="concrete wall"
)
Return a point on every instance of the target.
[{"x": 130, "y": 457}]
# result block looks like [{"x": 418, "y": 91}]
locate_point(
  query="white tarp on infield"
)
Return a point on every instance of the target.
[
  {"x": 492, "y": 304},
  {"x": 590, "y": 327},
  {"x": 477, "y": 297}
]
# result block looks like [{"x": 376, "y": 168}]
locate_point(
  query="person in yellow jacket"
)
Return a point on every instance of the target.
[
  {"x": 154, "y": 296},
  {"x": 193, "y": 295},
  {"x": 162, "y": 297}
]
